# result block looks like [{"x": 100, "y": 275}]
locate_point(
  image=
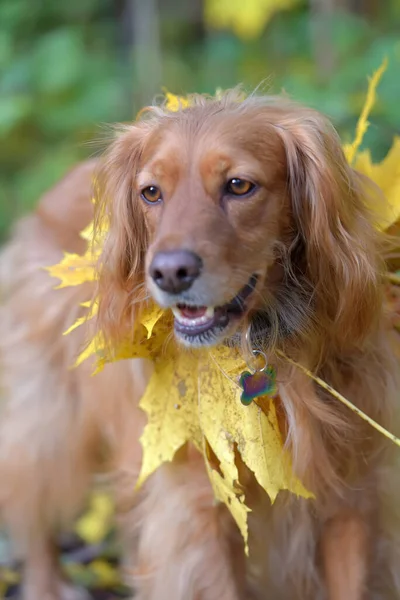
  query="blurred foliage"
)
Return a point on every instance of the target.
[
  {"x": 246, "y": 19},
  {"x": 68, "y": 67}
]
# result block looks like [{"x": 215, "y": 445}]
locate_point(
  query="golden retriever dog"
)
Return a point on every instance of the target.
[{"x": 231, "y": 213}]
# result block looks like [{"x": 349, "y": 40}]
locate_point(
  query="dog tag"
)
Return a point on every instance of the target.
[{"x": 260, "y": 383}]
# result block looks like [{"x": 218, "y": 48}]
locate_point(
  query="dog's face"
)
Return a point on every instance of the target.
[
  {"x": 213, "y": 203},
  {"x": 229, "y": 211}
]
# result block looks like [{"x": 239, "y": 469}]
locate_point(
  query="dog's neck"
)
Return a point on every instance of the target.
[{"x": 288, "y": 311}]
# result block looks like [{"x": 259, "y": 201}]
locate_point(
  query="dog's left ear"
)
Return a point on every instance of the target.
[{"x": 328, "y": 201}]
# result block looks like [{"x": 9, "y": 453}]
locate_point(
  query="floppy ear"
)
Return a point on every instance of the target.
[
  {"x": 341, "y": 256},
  {"x": 121, "y": 265}
]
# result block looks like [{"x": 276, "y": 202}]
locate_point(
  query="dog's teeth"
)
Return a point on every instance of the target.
[
  {"x": 195, "y": 321},
  {"x": 177, "y": 313}
]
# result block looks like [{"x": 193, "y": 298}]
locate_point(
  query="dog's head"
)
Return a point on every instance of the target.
[{"x": 234, "y": 211}]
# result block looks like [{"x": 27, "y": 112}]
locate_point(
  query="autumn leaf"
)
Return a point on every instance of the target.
[
  {"x": 174, "y": 103},
  {"x": 247, "y": 19},
  {"x": 106, "y": 575},
  {"x": 386, "y": 175},
  {"x": 224, "y": 491},
  {"x": 93, "y": 310},
  {"x": 95, "y": 523},
  {"x": 171, "y": 415},
  {"x": 96, "y": 347},
  {"x": 88, "y": 233},
  {"x": 255, "y": 433},
  {"x": 351, "y": 150},
  {"x": 203, "y": 406},
  {"x": 74, "y": 269},
  {"x": 173, "y": 420},
  {"x": 150, "y": 317},
  {"x": 140, "y": 344}
]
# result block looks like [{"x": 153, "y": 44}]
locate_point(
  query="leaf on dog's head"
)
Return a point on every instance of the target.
[{"x": 174, "y": 103}]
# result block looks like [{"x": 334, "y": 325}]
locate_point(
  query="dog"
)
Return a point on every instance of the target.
[{"x": 234, "y": 214}]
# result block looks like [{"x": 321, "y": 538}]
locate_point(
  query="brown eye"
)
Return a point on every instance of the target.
[
  {"x": 151, "y": 194},
  {"x": 239, "y": 187}
]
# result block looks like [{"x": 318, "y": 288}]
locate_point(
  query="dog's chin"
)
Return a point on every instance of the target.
[{"x": 199, "y": 326}]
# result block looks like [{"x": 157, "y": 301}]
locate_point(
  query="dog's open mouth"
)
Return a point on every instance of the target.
[{"x": 193, "y": 321}]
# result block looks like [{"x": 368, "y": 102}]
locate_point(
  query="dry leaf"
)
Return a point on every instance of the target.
[
  {"x": 95, "y": 523},
  {"x": 170, "y": 403},
  {"x": 255, "y": 434},
  {"x": 247, "y": 19},
  {"x": 175, "y": 103},
  {"x": 74, "y": 269},
  {"x": 386, "y": 175},
  {"x": 224, "y": 491},
  {"x": 351, "y": 150}
]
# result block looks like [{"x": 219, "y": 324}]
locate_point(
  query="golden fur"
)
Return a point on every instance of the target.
[{"x": 307, "y": 235}]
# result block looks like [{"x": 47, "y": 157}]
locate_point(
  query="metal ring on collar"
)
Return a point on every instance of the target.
[{"x": 256, "y": 353}]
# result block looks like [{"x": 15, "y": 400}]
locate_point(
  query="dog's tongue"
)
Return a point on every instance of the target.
[{"x": 192, "y": 312}]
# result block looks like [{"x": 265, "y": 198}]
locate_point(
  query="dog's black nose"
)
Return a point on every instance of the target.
[{"x": 175, "y": 271}]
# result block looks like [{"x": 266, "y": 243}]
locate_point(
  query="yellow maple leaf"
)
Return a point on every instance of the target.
[
  {"x": 93, "y": 309},
  {"x": 224, "y": 491},
  {"x": 74, "y": 269},
  {"x": 203, "y": 404},
  {"x": 88, "y": 233},
  {"x": 95, "y": 347},
  {"x": 150, "y": 317},
  {"x": 140, "y": 344},
  {"x": 351, "y": 150},
  {"x": 173, "y": 420},
  {"x": 255, "y": 433},
  {"x": 386, "y": 175},
  {"x": 171, "y": 417}
]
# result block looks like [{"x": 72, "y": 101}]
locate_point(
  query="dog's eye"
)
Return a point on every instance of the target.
[
  {"x": 151, "y": 194},
  {"x": 239, "y": 187}
]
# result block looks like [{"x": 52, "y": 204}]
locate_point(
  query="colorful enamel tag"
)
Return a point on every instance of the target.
[{"x": 260, "y": 383}]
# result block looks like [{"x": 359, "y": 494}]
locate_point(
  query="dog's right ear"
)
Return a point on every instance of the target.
[{"x": 121, "y": 265}]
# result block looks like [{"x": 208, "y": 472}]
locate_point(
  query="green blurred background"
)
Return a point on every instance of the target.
[{"x": 67, "y": 67}]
